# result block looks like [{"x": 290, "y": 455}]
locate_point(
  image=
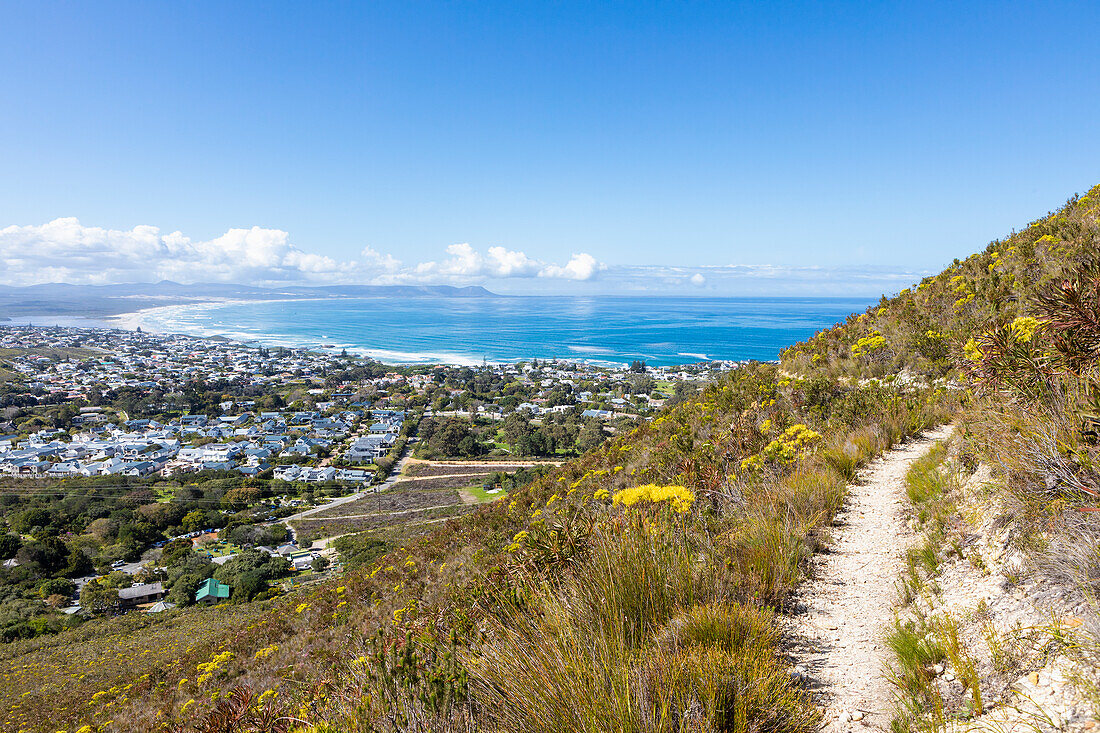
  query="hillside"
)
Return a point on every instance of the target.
[{"x": 639, "y": 587}]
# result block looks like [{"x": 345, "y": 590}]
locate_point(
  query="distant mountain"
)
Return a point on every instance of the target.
[{"x": 49, "y": 299}]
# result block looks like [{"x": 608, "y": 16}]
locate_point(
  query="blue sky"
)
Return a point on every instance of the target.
[{"x": 596, "y": 146}]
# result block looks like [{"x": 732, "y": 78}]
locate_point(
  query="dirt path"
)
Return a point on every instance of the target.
[{"x": 838, "y": 639}]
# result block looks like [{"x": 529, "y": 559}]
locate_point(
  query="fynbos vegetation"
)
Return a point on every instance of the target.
[{"x": 636, "y": 587}]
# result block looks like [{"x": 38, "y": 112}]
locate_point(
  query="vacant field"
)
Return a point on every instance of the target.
[
  {"x": 435, "y": 483},
  {"x": 397, "y": 499},
  {"x": 399, "y": 524}
]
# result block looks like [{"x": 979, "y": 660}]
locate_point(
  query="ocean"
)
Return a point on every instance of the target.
[{"x": 606, "y": 331}]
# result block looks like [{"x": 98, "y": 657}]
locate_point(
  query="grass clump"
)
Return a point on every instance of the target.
[
  {"x": 915, "y": 649},
  {"x": 643, "y": 637},
  {"x": 731, "y": 627},
  {"x": 710, "y": 689}
]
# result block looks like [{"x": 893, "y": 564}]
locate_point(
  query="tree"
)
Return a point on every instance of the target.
[
  {"x": 247, "y": 573},
  {"x": 175, "y": 550},
  {"x": 447, "y": 439},
  {"x": 241, "y": 498},
  {"x": 185, "y": 574},
  {"x": 47, "y": 556},
  {"x": 182, "y": 592},
  {"x": 96, "y": 596},
  {"x": 194, "y": 520},
  {"x": 591, "y": 436},
  {"x": 27, "y": 521},
  {"x": 160, "y": 514},
  {"x": 535, "y": 443},
  {"x": 9, "y": 545},
  {"x": 469, "y": 447},
  {"x": 57, "y": 586},
  {"x": 516, "y": 427}
]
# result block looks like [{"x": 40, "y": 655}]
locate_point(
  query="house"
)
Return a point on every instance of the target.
[
  {"x": 353, "y": 474},
  {"x": 370, "y": 448},
  {"x": 318, "y": 475},
  {"x": 33, "y": 468},
  {"x": 108, "y": 467},
  {"x": 65, "y": 469},
  {"x": 190, "y": 455},
  {"x": 211, "y": 591},
  {"x": 302, "y": 559},
  {"x": 141, "y": 593},
  {"x": 287, "y": 473},
  {"x": 599, "y": 414},
  {"x": 257, "y": 456},
  {"x": 139, "y": 468}
]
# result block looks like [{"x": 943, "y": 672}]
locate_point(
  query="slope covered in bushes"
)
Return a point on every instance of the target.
[
  {"x": 925, "y": 329},
  {"x": 636, "y": 587},
  {"x": 640, "y": 579}
]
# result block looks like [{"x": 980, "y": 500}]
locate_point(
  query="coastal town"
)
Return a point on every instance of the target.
[{"x": 210, "y": 471}]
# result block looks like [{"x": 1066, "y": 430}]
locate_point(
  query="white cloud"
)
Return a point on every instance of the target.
[
  {"x": 509, "y": 263},
  {"x": 581, "y": 266},
  {"x": 64, "y": 250},
  {"x": 466, "y": 262}
]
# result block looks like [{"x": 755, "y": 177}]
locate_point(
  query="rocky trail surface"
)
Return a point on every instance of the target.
[{"x": 836, "y": 638}]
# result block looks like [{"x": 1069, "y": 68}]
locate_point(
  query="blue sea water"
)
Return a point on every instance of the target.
[{"x": 609, "y": 330}]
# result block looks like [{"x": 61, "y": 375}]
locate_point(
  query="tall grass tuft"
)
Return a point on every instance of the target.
[
  {"x": 642, "y": 637},
  {"x": 711, "y": 689},
  {"x": 915, "y": 649},
  {"x": 639, "y": 575}
]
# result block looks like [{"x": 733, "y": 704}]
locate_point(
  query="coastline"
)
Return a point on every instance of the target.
[{"x": 609, "y": 332}]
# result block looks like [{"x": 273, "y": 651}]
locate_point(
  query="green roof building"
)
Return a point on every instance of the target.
[{"x": 211, "y": 591}]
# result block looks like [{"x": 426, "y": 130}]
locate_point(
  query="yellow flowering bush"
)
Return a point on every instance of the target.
[
  {"x": 267, "y": 651},
  {"x": 678, "y": 497},
  {"x": 216, "y": 664},
  {"x": 870, "y": 343},
  {"x": 517, "y": 541},
  {"x": 971, "y": 350},
  {"x": 784, "y": 449},
  {"x": 1024, "y": 327}
]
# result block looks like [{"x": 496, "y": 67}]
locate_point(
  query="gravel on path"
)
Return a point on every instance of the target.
[{"x": 836, "y": 637}]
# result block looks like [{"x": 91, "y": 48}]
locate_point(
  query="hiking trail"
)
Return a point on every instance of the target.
[{"x": 841, "y": 613}]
